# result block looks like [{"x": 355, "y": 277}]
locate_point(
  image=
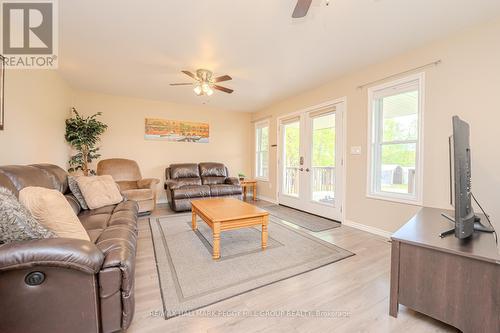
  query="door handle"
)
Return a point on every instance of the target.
[
  {"x": 307, "y": 169},
  {"x": 301, "y": 169}
]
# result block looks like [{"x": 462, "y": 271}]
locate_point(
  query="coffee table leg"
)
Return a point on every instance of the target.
[
  {"x": 216, "y": 231},
  {"x": 254, "y": 192},
  {"x": 193, "y": 220},
  {"x": 265, "y": 222},
  {"x": 244, "y": 193}
]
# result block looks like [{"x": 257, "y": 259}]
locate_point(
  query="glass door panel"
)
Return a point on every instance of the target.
[
  {"x": 323, "y": 158},
  {"x": 291, "y": 158}
]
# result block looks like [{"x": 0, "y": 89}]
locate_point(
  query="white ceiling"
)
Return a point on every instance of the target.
[{"x": 138, "y": 47}]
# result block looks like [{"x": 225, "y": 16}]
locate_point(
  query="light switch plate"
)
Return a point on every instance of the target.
[{"x": 356, "y": 150}]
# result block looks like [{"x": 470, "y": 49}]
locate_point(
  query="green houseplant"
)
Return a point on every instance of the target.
[{"x": 83, "y": 134}]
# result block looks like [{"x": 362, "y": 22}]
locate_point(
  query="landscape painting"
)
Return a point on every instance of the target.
[{"x": 176, "y": 131}]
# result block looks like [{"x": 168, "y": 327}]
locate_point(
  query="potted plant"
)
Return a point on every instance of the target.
[
  {"x": 241, "y": 176},
  {"x": 83, "y": 134}
]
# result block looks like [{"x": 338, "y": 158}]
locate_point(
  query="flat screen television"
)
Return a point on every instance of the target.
[{"x": 465, "y": 220}]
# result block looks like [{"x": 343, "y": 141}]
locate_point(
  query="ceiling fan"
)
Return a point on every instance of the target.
[
  {"x": 205, "y": 82},
  {"x": 302, "y": 7}
]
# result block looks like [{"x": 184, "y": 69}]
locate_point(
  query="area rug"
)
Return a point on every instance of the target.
[
  {"x": 190, "y": 279},
  {"x": 302, "y": 219}
]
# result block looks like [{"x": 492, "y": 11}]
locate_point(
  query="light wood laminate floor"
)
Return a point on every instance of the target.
[{"x": 358, "y": 285}]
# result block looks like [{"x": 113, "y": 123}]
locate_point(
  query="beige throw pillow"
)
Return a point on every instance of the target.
[
  {"x": 51, "y": 209},
  {"x": 99, "y": 191}
]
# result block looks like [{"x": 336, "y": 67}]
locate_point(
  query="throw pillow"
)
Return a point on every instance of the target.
[
  {"x": 99, "y": 191},
  {"x": 16, "y": 222},
  {"x": 51, "y": 209},
  {"x": 75, "y": 189}
]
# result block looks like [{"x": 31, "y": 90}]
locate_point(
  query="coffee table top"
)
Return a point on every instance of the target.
[{"x": 227, "y": 209}]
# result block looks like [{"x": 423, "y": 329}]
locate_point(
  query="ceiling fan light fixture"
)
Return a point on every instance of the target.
[{"x": 198, "y": 90}]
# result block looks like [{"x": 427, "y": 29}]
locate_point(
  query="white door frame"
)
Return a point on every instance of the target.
[{"x": 341, "y": 100}]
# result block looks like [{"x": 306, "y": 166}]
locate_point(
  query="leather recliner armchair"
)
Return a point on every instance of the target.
[
  {"x": 63, "y": 284},
  {"x": 190, "y": 181},
  {"x": 127, "y": 175}
]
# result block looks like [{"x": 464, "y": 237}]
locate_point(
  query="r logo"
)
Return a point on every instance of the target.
[{"x": 27, "y": 28}]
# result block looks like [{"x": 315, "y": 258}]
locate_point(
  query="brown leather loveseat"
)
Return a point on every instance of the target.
[
  {"x": 69, "y": 285},
  {"x": 190, "y": 181}
]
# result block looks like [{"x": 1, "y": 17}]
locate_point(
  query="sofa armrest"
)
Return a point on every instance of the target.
[
  {"x": 232, "y": 181},
  {"x": 148, "y": 183},
  {"x": 172, "y": 184},
  {"x": 69, "y": 253}
]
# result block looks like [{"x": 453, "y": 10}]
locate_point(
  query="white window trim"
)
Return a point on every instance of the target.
[
  {"x": 261, "y": 124},
  {"x": 417, "y": 199}
]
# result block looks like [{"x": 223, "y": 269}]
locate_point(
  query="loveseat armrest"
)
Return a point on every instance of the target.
[
  {"x": 232, "y": 181},
  {"x": 172, "y": 184},
  {"x": 69, "y": 253},
  {"x": 148, "y": 183}
]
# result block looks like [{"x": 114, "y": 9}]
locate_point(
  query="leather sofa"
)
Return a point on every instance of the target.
[
  {"x": 190, "y": 181},
  {"x": 127, "y": 175},
  {"x": 69, "y": 285}
]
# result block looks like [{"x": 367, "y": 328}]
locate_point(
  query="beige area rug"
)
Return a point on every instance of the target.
[{"x": 190, "y": 279}]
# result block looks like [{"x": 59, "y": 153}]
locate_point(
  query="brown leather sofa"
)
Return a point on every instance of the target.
[
  {"x": 69, "y": 285},
  {"x": 189, "y": 181},
  {"x": 127, "y": 175}
]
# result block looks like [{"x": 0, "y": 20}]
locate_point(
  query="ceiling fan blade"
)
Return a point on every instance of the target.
[
  {"x": 191, "y": 75},
  {"x": 181, "y": 84},
  {"x": 223, "y": 78},
  {"x": 301, "y": 8},
  {"x": 224, "y": 89}
]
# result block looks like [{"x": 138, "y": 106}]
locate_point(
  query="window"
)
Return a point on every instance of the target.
[
  {"x": 395, "y": 170},
  {"x": 262, "y": 150}
]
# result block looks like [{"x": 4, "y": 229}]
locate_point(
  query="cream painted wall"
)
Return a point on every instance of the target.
[
  {"x": 36, "y": 104},
  {"x": 229, "y": 134},
  {"x": 467, "y": 83}
]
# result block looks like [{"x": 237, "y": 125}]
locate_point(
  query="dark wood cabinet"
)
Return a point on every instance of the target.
[{"x": 454, "y": 281}]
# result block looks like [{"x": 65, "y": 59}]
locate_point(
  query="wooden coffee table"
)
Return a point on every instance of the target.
[{"x": 227, "y": 214}]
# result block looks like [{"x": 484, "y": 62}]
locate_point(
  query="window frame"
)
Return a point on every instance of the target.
[
  {"x": 260, "y": 125},
  {"x": 373, "y": 141}
]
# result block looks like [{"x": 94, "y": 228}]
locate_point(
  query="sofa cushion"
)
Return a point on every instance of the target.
[
  {"x": 99, "y": 191},
  {"x": 16, "y": 222},
  {"x": 180, "y": 182},
  {"x": 95, "y": 221},
  {"x": 57, "y": 175},
  {"x": 51, "y": 209},
  {"x": 185, "y": 192},
  {"x": 212, "y": 180},
  {"x": 139, "y": 194},
  {"x": 17, "y": 177},
  {"x": 210, "y": 169},
  {"x": 225, "y": 189},
  {"x": 184, "y": 170},
  {"x": 127, "y": 205}
]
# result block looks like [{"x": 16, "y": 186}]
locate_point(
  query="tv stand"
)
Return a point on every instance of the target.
[
  {"x": 478, "y": 226},
  {"x": 453, "y": 280}
]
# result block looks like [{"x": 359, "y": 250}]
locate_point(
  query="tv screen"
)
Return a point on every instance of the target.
[{"x": 461, "y": 175}]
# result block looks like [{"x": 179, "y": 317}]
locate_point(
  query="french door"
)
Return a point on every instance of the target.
[{"x": 310, "y": 161}]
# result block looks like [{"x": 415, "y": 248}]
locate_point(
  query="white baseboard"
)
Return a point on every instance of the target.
[
  {"x": 367, "y": 228},
  {"x": 260, "y": 197}
]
